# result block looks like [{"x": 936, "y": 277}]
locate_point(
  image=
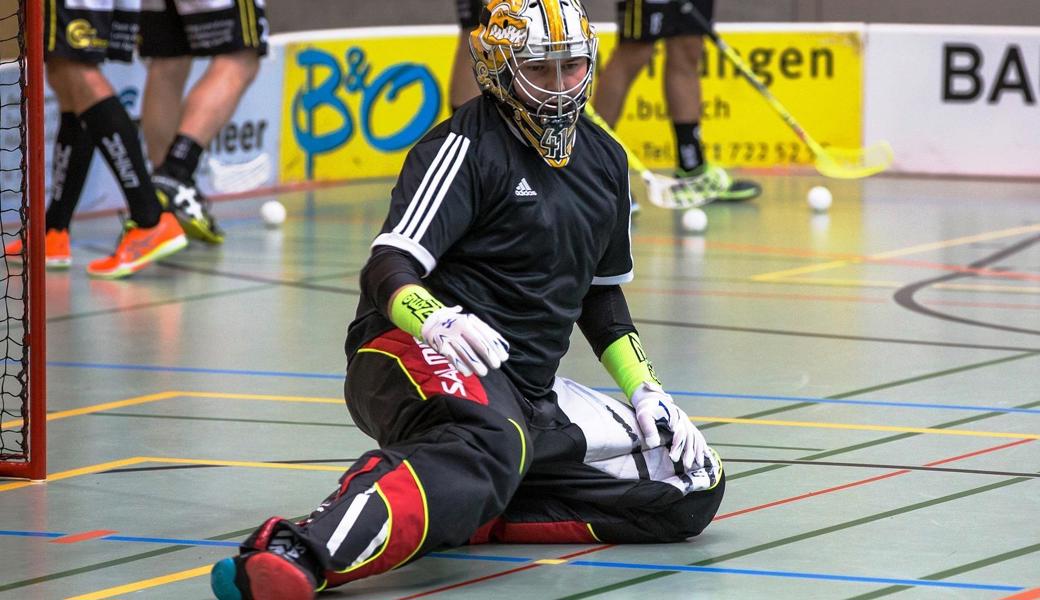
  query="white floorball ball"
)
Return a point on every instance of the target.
[
  {"x": 273, "y": 213},
  {"x": 695, "y": 220},
  {"x": 820, "y": 198}
]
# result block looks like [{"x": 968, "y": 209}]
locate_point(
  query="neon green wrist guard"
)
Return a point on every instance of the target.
[
  {"x": 411, "y": 306},
  {"x": 627, "y": 363}
]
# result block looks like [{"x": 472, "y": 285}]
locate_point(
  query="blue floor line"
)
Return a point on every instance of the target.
[
  {"x": 798, "y": 575},
  {"x": 758, "y": 397},
  {"x": 580, "y": 563}
]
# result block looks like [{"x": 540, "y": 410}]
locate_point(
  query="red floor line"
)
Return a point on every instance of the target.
[
  {"x": 81, "y": 537},
  {"x": 811, "y": 494},
  {"x": 745, "y": 511},
  {"x": 508, "y": 572},
  {"x": 1032, "y": 594}
]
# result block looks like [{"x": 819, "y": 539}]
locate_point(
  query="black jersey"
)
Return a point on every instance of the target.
[{"x": 509, "y": 238}]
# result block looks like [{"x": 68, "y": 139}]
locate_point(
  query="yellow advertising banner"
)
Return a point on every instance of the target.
[
  {"x": 353, "y": 107},
  {"x": 817, "y": 75}
]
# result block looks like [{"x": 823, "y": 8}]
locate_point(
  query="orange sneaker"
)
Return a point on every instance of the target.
[
  {"x": 57, "y": 252},
  {"x": 140, "y": 247}
]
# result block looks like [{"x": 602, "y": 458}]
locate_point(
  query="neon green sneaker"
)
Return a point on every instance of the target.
[{"x": 709, "y": 176}]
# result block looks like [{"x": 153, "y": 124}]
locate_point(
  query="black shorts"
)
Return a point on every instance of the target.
[
  {"x": 107, "y": 30},
  {"x": 469, "y": 12},
  {"x": 202, "y": 27},
  {"x": 651, "y": 20}
]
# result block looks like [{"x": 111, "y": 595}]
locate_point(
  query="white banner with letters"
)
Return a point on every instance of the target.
[{"x": 955, "y": 100}]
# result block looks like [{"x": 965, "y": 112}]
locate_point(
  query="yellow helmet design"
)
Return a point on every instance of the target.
[{"x": 517, "y": 37}]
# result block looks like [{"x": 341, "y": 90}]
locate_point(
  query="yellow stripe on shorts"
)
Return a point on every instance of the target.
[
  {"x": 251, "y": 6},
  {"x": 243, "y": 15}
]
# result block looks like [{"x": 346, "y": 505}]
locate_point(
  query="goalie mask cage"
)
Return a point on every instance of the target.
[{"x": 23, "y": 416}]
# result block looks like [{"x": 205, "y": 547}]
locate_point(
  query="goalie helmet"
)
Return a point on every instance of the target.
[{"x": 518, "y": 37}]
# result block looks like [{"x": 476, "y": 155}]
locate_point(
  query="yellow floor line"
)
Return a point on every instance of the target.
[
  {"x": 991, "y": 235},
  {"x": 144, "y": 584},
  {"x": 228, "y": 396},
  {"x": 867, "y": 283},
  {"x": 243, "y": 463},
  {"x": 115, "y": 464},
  {"x": 136, "y": 460},
  {"x": 858, "y": 427},
  {"x": 75, "y": 412},
  {"x": 86, "y": 410}
]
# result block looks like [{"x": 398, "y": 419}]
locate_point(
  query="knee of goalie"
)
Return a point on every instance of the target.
[{"x": 696, "y": 510}]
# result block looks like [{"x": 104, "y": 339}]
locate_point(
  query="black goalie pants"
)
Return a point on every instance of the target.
[{"x": 460, "y": 461}]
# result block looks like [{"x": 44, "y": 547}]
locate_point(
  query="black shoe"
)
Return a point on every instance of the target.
[{"x": 190, "y": 207}]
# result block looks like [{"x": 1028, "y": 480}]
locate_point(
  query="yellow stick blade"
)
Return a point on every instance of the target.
[{"x": 854, "y": 163}]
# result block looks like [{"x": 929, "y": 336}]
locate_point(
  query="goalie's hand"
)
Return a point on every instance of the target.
[
  {"x": 469, "y": 343},
  {"x": 655, "y": 408}
]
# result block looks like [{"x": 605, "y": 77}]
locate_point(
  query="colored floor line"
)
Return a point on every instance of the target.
[
  {"x": 800, "y": 537},
  {"x": 200, "y": 370},
  {"x": 960, "y": 569},
  {"x": 641, "y": 321},
  {"x": 198, "y": 571},
  {"x": 816, "y": 268},
  {"x": 1033, "y": 594},
  {"x": 774, "y": 467},
  {"x": 94, "y": 408},
  {"x": 796, "y": 575},
  {"x": 892, "y": 438},
  {"x": 877, "y": 259},
  {"x": 822, "y": 463},
  {"x": 814, "y": 298},
  {"x": 75, "y": 538},
  {"x": 867, "y": 480},
  {"x": 863, "y": 427},
  {"x": 137, "y": 460}
]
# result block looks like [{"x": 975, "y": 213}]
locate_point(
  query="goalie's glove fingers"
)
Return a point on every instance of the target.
[
  {"x": 491, "y": 347},
  {"x": 648, "y": 427},
  {"x": 449, "y": 351}
]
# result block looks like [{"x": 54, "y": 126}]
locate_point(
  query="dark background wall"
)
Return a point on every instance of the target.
[{"x": 295, "y": 15}]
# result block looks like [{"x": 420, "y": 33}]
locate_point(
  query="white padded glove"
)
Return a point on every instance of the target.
[
  {"x": 655, "y": 408},
  {"x": 469, "y": 343}
]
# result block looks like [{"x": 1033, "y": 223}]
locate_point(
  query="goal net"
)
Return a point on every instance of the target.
[{"x": 22, "y": 322}]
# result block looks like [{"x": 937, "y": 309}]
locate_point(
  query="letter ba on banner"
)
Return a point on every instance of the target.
[{"x": 354, "y": 107}]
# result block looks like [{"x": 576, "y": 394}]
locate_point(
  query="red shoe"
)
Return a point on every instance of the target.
[
  {"x": 140, "y": 247},
  {"x": 260, "y": 576},
  {"x": 58, "y": 254}
]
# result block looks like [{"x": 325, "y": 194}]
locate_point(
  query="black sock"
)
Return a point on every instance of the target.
[
  {"x": 182, "y": 158},
  {"x": 116, "y": 136},
  {"x": 72, "y": 153},
  {"x": 688, "y": 147}
]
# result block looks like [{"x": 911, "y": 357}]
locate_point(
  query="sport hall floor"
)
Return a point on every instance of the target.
[{"x": 871, "y": 376}]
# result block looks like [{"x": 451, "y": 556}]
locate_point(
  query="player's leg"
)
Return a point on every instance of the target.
[
  {"x": 594, "y": 480},
  {"x": 682, "y": 92},
  {"x": 452, "y": 453},
  {"x": 234, "y": 38},
  {"x": 161, "y": 103},
  {"x": 684, "y": 50},
  {"x": 463, "y": 83},
  {"x": 638, "y": 29},
  {"x": 108, "y": 31},
  {"x": 73, "y": 151}
]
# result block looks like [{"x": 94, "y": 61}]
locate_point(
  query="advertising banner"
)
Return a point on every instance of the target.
[
  {"x": 353, "y": 105},
  {"x": 816, "y": 71},
  {"x": 956, "y": 100}
]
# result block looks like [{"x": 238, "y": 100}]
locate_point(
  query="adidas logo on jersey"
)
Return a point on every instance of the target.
[{"x": 524, "y": 189}]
